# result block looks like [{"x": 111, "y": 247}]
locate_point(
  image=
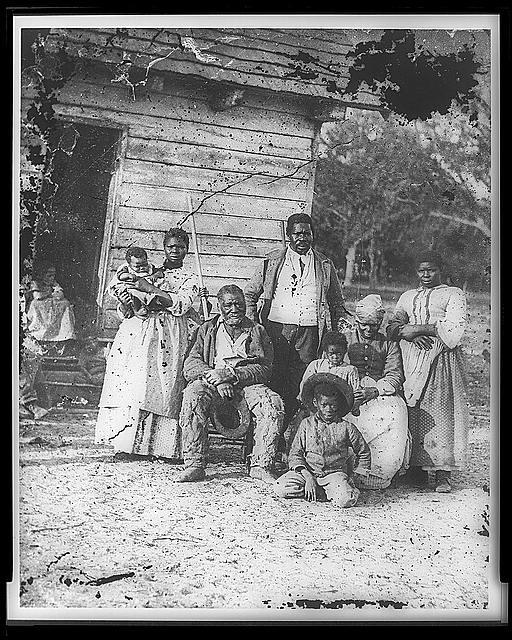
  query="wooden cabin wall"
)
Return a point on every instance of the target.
[{"x": 175, "y": 145}]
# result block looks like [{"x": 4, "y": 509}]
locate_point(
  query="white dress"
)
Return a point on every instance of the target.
[{"x": 141, "y": 396}]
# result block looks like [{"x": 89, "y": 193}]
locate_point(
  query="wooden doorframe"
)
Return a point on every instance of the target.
[{"x": 111, "y": 218}]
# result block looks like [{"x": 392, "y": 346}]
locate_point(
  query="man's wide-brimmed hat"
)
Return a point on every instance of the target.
[
  {"x": 338, "y": 384},
  {"x": 232, "y": 418}
]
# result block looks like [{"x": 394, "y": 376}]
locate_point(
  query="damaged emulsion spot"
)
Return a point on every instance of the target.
[{"x": 305, "y": 603}]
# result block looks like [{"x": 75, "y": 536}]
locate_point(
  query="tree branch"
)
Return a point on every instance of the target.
[{"x": 477, "y": 224}]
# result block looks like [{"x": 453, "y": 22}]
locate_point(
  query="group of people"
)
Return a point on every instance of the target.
[{"x": 347, "y": 406}]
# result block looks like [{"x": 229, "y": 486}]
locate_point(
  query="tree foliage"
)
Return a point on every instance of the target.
[{"x": 385, "y": 188}]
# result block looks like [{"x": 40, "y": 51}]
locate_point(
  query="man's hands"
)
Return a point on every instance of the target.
[
  {"x": 311, "y": 487},
  {"x": 222, "y": 380},
  {"x": 366, "y": 394},
  {"x": 218, "y": 376},
  {"x": 226, "y": 390}
]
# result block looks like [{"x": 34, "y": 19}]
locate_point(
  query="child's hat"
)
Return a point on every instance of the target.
[{"x": 338, "y": 384}]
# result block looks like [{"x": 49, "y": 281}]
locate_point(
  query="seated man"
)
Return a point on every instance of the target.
[{"x": 230, "y": 355}]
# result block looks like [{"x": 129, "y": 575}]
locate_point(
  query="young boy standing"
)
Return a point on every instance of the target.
[{"x": 321, "y": 463}]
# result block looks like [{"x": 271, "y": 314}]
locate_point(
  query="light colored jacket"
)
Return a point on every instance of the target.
[{"x": 330, "y": 303}]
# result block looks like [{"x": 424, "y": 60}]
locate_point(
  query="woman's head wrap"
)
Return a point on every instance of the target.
[{"x": 370, "y": 309}]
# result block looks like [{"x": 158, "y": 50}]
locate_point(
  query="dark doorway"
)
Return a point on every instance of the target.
[{"x": 72, "y": 237}]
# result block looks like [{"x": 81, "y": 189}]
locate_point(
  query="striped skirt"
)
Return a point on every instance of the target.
[{"x": 439, "y": 422}]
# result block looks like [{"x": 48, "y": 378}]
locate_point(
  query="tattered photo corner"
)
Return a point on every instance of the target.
[{"x": 379, "y": 127}]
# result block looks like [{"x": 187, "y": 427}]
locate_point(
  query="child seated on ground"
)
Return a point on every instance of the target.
[
  {"x": 334, "y": 349},
  {"x": 327, "y": 450},
  {"x": 136, "y": 266}
]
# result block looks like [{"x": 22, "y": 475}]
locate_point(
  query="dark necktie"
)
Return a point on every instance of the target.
[{"x": 301, "y": 267}]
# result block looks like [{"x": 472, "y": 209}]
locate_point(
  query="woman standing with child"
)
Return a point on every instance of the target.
[
  {"x": 429, "y": 323},
  {"x": 141, "y": 396}
]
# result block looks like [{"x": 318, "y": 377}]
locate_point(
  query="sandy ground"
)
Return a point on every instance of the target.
[
  {"x": 99, "y": 534},
  {"x": 228, "y": 542}
]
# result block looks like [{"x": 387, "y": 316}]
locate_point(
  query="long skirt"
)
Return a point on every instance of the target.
[
  {"x": 51, "y": 320},
  {"x": 142, "y": 391},
  {"x": 439, "y": 421},
  {"x": 383, "y": 424}
]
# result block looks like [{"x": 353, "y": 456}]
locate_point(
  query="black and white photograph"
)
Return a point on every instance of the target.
[{"x": 255, "y": 319}]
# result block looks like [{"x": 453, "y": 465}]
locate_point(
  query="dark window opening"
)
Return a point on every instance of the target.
[{"x": 72, "y": 237}]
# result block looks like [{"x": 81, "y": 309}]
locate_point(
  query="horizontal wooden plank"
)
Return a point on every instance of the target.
[
  {"x": 159, "y": 220},
  {"x": 119, "y": 99},
  {"x": 329, "y": 41},
  {"x": 280, "y": 42},
  {"x": 208, "y": 180},
  {"x": 242, "y": 139},
  {"x": 204, "y": 157},
  {"x": 220, "y": 66},
  {"x": 212, "y": 265},
  {"x": 289, "y": 39},
  {"x": 150, "y": 197},
  {"x": 193, "y": 90},
  {"x": 177, "y": 131},
  {"x": 214, "y": 244},
  {"x": 242, "y": 53}
]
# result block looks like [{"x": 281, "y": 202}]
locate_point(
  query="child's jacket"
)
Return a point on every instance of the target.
[{"x": 324, "y": 448}]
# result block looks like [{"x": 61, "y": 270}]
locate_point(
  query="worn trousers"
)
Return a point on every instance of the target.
[
  {"x": 336, "y": 486},
  {"x": 294, "y": 348},
  {"x": 267, "y": 413}
]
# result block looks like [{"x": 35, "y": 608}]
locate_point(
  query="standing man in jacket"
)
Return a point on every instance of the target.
[
  {"x": 231, "y": 355},
  {"x": 300, "y": 298}
]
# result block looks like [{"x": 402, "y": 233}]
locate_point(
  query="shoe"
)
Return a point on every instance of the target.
[
  {"x": 258, "y": 473},
  {"x": 443, "y": 486},
  {"x": 194, "y": 474},
  {"x": 415, "y": 476},
  {"x": 122, "y": 456}
]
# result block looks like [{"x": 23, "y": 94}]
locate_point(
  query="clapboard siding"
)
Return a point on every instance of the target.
[
  {"x": 212, "y": 244},
  {"x": 208, "y": 180},
  {"x": 240, "y": 267},
  {"x": 233, "y": 225},
  {"x": 208, "y": 135},
  {"x": 168, "y": 199},
  {"x": 276, "y": 62},
  {"x": 118, "y": 100},
  {"x": 246, "y": 169},
  {"x": 98, "y": 45},
  {"x": 191, "y": 155}
]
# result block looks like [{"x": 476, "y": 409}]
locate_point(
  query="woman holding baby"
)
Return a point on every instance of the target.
[{"x": 141, "y": 396}]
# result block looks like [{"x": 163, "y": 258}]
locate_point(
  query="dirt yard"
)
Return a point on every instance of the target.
[{"x": 94, "y": 533}]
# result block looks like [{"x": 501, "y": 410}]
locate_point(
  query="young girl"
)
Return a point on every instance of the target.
[{"x": 334, "y": 347}]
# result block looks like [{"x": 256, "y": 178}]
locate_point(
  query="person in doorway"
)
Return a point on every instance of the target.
[
  {"x": 50, "y": 316},
  {"x": 382, "y": 415},
  {"x": 429, "y": 323},
  {"x": 141, "y": 395},
  {"x": 327, "y": 451},
  {"x": 301, "y": 299},
  {"x": 230, "y": 357}
]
